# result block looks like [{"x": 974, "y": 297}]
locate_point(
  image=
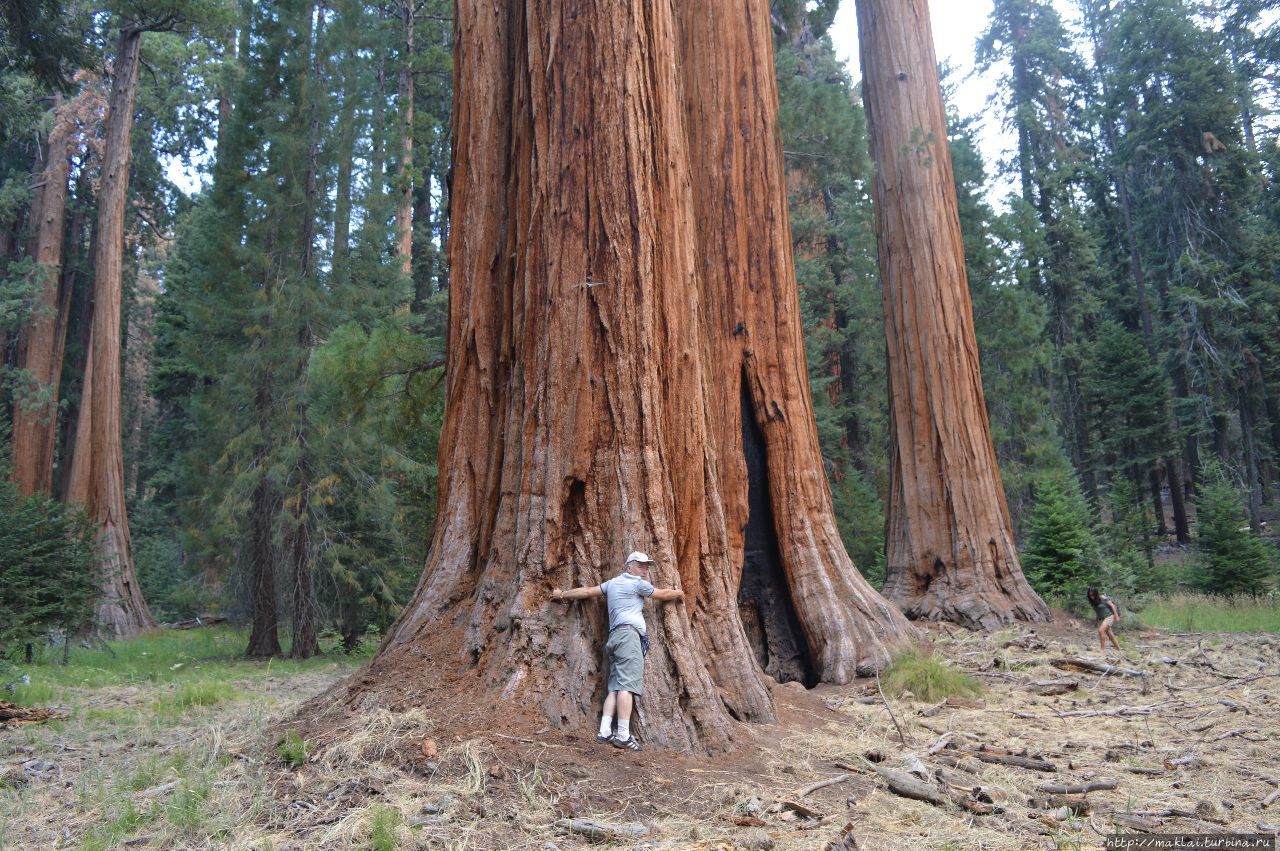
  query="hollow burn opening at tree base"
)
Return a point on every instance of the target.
[{"x": 764, "y": 599}]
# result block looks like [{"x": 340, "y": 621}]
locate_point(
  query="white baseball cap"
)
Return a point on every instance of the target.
[{"x": 640, "y": 557}]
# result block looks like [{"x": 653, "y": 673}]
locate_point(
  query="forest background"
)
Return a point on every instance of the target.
[{"x": 281, "y": 329}]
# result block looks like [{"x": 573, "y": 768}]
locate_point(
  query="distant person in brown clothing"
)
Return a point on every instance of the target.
[{"x": 1108, "y": 614}]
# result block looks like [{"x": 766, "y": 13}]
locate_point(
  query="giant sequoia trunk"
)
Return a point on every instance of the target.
[
  {"x": 626, "y": 372},
  {"x": 98, "y": 466},
  {"x": 404, "y": 163},
  {"x": 950, "y": 548},
  {"x": 40, "y": 340}
]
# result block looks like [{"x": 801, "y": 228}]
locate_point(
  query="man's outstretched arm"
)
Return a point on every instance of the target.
[
  {"x": 584, "y": 593},
  {"x": 667, "y": 595}
]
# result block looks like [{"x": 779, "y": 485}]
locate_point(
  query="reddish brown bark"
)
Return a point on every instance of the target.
[
  {"x": 404, "y": 163},
  {"x": 39, "y": 343},
  {"x": 98, "y": 465},
  {"x": 950, "y": 548},
  {"x": 753, "y": 335},
  {"x": 610, "y": 323},
  {"x": 73, "y": 483}
]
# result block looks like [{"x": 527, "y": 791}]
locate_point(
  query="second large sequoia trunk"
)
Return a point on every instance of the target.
[
  {"x": 626, "y": 372},
  {"x": 950, "y": 549}
]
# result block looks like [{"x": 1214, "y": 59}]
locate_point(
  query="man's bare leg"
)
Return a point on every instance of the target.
[{"x": 606, "y": 715}]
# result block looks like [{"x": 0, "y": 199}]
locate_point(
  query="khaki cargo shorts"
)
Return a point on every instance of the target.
[{"x": 626, "y": 661}]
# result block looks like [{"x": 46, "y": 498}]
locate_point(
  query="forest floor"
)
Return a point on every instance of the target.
[{"x": 187, "y": 754}]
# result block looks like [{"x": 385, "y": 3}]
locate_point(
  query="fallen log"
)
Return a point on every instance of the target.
[
  {"x": 1077, "y": 804},
  {"x": 1030, "y": 641},
  {"x": 1142, "y": 769},
  {"x": 593, "y": 829},
  {"x": 1205, "y": 819},
  {"x": 907, "y": 786},
  {"x": 1122, "y": 711},
  {"x": 801, "y": 810},
  {"x": 1077, "y": 788},
  {"x": 1049, "y": 688},
  {"x": 1132, "y": 822},
  {"x": 813, "y": 787},
  {"x": 1270, "y": 799},
  {"x": 11, "y": 715},
  {"x": 1022, "y": 760},
  {"x": 156, "y": 791},
  {"x": 196, "y": 622},
  {"x": 1095, "y": 667},
  {"x": 901, "y": 783},
  {"x": 1242, "y": 733},
  {"x": 1185, "y": 761}
]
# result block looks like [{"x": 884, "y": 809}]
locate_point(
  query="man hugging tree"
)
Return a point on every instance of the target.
[{"x": 628, "y": 641}]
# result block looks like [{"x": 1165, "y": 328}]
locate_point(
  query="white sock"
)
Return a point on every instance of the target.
[
  {"x": 606, "y": 725},
  {"x": 624, "y": 729}
]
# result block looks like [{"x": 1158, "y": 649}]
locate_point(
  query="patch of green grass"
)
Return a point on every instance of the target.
[
  {"x": 200, "y": 693},
  {"x": 108, "y": 714},
  {"x": 111, "y": 834},
  {"x": 186, "y": 808},
  {"x": 1205, "y": 613},
  {"x": 927, "y": 677},
  {"x": 153, "y": 771},
  {"x": 37, "y": 693},
  {"x": 293, "y": 748},
  {"x": 383, "y": 828},
  {"x": 162, "y": 657}
]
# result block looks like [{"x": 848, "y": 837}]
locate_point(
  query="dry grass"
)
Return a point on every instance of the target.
[
  {"x": 375, "y": 736},
  {"x": 211, "y": 775}
]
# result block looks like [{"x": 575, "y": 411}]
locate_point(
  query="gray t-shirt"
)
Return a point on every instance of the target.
[{"x": 626, "y": 594}]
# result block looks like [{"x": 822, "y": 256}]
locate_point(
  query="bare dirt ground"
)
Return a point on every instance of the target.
[{"x": 1189, "y": 747}]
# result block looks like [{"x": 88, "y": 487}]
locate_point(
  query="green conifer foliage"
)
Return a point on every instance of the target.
[
  {"x": 1010, "y": 321},
  {"x": 825, "y": 147},
  {"x": 47, "y": 566},
  {"x": 1127, "y": 398},
  {"x": 1061, "y": 554},
  {"x": 296, "y": 386},
  {"x": 1052, "y": 251},
  {"x": 1233, "y": 559},
  {"x": 1175, "y": 106}
]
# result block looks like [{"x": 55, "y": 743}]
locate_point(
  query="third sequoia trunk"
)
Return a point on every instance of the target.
[
  {"x": 623, "y": 338},
  {"x": 950, "y": 549},
  {"x": 97, "y": 477}
]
